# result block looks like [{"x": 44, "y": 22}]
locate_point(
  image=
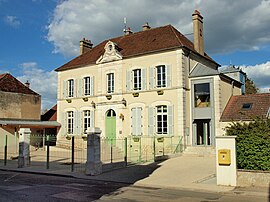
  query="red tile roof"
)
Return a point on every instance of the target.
[
  {"x": 234, "y": 110},
  {"x": 50, "y": 115},
  {"x": 10, "y": 84},
  {"x": 152, "y": 40}
]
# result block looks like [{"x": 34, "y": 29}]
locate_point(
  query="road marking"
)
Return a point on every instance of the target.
[{"x": 11, "y": 177}]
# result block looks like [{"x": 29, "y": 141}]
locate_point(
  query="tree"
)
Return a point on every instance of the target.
[{"x": 250, "y": 87}]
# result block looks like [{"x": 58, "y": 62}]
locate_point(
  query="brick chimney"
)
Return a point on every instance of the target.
[
  {"x": 128, "y": 31},
  {"x": 146, "y": 26},
  {"x": 85, "y": 46},
  {"x": 198, "y": 32}
]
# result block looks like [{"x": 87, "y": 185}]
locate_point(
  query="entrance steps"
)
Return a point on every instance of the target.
[{"x": 200, "y": 151}]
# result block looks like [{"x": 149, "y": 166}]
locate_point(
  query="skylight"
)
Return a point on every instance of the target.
[{"x": 247, "y": 106}]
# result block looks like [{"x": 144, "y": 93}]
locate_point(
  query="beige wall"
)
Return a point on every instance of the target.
[
  {"x": 148, "y": 97},
  {"x": 19, "y": 106},
  {"x": 178, "y": 94}
]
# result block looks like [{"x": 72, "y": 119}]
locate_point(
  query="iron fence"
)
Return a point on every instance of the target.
[{"x": 72, "y": 156}]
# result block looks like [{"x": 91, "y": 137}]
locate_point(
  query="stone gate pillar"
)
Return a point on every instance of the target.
[
  {"x": 24, "y": 147},
  {"x": 226, "y": 160},
  {"x": 93, "y": 164}
]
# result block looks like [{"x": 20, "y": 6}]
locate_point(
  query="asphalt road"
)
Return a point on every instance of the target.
[{"x": 16, "y": 186}]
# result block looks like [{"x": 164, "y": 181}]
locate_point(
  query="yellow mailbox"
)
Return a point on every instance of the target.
[{"x": 224, "y": 157}]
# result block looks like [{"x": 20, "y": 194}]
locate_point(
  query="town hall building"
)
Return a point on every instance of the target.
[{"x": 154, "y": 82}]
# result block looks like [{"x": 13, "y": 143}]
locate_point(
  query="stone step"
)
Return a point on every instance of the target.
[{"x": 199, "y": 151}]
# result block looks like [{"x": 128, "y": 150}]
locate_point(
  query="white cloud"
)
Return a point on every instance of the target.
[
  {"x": 41, "y": 81},
  {"x": 12, "y": 21},
  {"x": 260, "y": 74},
  {"x": 228, "y": 25}
]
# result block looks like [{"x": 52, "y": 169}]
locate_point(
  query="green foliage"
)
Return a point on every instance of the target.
[
  {"x": 252, "y": 144},
  {"x": 250, "y": 86}
]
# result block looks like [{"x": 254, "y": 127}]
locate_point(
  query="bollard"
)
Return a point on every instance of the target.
[
  {"x": 48, "y": 151},
  {"x": 5, "y": 152},
  {"x": 72, "y": 153}
]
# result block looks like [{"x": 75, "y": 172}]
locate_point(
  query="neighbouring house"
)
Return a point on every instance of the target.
[
  {"x": 246, "y": 108},
  {"x": 19, "y": 108},
  {"x": 237, "y": 74},
  {"x": 154, "y": 82}
]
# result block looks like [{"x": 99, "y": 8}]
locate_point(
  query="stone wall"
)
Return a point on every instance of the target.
[
  {"x": 20, "y": 106},
  {"x": 247, "y": 178}
]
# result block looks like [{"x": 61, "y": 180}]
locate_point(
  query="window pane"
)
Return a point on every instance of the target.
[{"x": 202, "y": 95}]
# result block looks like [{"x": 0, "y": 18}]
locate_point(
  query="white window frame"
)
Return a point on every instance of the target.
[
  {"x": 136, "y": 120},
  {"x": 87, "y": 86},
  {"x": 70, "y": 87},
  {"x": 86, "y": 120},
  {"x": 110, "y": 82},
  {"x": 162, "y": 82},
  {"x": 70, "y": 122},
  {"x": 161, "y": 121},
  {"x": 137, "y": 79}
]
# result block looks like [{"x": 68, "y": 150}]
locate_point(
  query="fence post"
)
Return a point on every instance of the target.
[
  {"x": 154, "y": 145},
  {"x": 111, "y": 151},
  {"x": 5, "y": 152},
  {"x": 140, "y": 157},
  {"x": 72, "y": 153},
  {"x": 48, "y": 152},
  {"x": 125, "y": 157},
  {"x": 93, "y": 164},
  {"x": 24, "y": 151}
]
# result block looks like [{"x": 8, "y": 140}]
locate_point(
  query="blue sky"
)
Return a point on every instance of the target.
[{"x": 38, "y": 36}]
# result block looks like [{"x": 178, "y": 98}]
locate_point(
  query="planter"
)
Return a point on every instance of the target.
[
  {"x": 160, "y": 139},
  {"x": 68, "y": 137},
  {"x": 135, "y": 94},
  {"x": 84, "y": 138},
  {"x": 68, "y": 100},
  {"x": 108, "y": 97},
  {"x": 136, "y": 139},
  {"x": 85, "y": 99},
  {"x": 160, "y": 92}
]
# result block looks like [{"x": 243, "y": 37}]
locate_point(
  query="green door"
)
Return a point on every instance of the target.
[{"x": 111, "y": 126}]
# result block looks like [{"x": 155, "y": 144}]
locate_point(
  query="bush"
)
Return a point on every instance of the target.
[{"x": 252, "y": 144}]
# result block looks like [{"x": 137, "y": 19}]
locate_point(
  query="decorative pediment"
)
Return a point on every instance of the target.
[{"x": 111, "y": 53}]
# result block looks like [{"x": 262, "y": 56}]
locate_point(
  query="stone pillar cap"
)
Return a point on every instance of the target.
[{"x": 93, "y": 130}]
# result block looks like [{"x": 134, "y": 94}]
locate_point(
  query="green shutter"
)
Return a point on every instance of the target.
[
  {"x": 168, "y": 75},
  {"x": 129, "y": 80},
  {"x": 152, "y": 77},
  {"x": 151, "y": 119},
  {"x": 139, "y": 121},
  {"x": 64, "y": 123},
  {"x": 92, "y": 85},
  {"x": 92, "y": 120},
  {"x": 64, "y": 89},
  {"x": 75, "y": 123},
  {"x": 143, "y": 79},
  {"x": 170, "y": 120},
  {"x": 81, "y": 87},
  {"x": 133, "y": 122},
  {"x": 74, "y": 88}
]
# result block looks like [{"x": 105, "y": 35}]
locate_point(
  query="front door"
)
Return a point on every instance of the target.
[
  {"x": 202, "y": 132},
  {"x": 110, "y": 123}
]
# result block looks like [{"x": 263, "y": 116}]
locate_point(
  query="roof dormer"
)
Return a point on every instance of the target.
[{"x": 111, "y": 53}]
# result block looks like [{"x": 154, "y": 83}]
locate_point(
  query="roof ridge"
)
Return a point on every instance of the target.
[{"x": 136, "y": 33}]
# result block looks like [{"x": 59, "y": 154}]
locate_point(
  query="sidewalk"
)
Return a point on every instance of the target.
[{"x": 183, "y": 172}]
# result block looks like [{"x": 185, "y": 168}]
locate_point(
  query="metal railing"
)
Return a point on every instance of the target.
[{"x": 46, "y": 154}]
